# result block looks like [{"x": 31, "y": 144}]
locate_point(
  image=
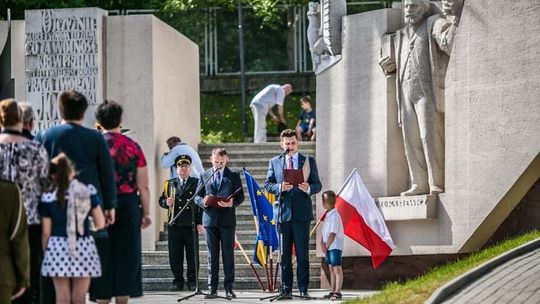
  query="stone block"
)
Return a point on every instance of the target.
[{"x": 402, "y": 208}]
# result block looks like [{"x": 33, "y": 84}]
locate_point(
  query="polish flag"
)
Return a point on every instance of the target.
[{"x": 362, "y": 220}]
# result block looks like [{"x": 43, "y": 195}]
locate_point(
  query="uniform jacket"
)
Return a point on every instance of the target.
[
  {"x": 220, "y": 217},
  {"x": 181, "y": 199}
]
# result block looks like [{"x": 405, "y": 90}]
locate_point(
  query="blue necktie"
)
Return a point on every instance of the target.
[{"x": 217, "y": 180}]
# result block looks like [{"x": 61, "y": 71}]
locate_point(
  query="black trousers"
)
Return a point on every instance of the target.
[
  {"x": 297, "y": 233},
  {"x": 216, "y": 238},
  {"x": 180, "y": 241}
]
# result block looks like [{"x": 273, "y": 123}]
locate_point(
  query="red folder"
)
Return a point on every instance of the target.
[
  {"x": 293, "y": 176},
  {"x": 212, "y": 200}
]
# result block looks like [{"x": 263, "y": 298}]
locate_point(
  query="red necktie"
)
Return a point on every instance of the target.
[{"x": 290, "y": 167}]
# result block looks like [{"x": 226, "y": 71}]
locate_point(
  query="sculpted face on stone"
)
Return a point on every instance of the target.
[
  {"x": 414, "y": 10},
  {"x": 449, "y": 7}
]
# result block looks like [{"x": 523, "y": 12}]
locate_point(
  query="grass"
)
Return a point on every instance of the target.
[{"x": 419, "y": 289}]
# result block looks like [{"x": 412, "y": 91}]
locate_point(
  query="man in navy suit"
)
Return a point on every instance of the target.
[
  {"x": 296, "y": 210},
  {"x": 220, "y": 221}
]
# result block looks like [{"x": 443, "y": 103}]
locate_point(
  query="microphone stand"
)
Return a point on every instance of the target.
[
  {"x": 191, "y": 201},
  {"x": 281, "y": 295}
]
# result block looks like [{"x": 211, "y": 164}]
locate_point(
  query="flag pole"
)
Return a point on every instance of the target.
[
  {"x": 346, "y": 181},
  {"x": 250, "y": 263}
]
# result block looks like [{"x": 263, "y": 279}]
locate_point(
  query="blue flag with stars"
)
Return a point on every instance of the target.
[{"x": 262, "y": 209}]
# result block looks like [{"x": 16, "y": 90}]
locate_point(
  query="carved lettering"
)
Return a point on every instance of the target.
[{"x": 63, "y": 52}]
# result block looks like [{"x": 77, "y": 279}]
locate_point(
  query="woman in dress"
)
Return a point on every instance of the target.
[
  {"x": 132, "y": 211},
  {"x": 25, "y": 163},
  {"x": 71, "y": 257}
]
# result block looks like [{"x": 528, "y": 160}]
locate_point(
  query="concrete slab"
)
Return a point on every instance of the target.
[{"x": 244, "y": 297}]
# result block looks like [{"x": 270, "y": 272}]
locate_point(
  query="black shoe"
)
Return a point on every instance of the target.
[
  {"x": 305, "y": 295},
  {"x": 211, "y": 295},
  {"x": 191, "y": 287},
  {"x": 285, "y": 295},
  {"x": 230, "y": 294},
  {"x": 177, "y": 287}
]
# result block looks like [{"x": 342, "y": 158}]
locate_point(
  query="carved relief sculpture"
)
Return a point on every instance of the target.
[
  {"x": 418, "y": 54},
  {"x": 324, "y": 32}
]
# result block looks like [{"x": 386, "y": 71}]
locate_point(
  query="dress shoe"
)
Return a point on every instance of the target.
[
  {"x": 230, "y": 294},
  {"x": 285, "y": 295},
  {"x": 305, "y": 295},
  {"x": 211, "y": 295},
  {"x": 177, "y": 287}
]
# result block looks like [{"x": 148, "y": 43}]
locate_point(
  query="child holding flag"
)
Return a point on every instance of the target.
[{"x": 332, "y": 244}]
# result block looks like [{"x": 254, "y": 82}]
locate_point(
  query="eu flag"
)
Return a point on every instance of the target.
[{"x": 262, "y": 210}]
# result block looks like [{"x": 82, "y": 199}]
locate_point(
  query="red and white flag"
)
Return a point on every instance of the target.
[{"x": 362, "y": 220}]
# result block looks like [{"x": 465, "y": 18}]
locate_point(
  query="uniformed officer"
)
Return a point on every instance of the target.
[{"x": 176, "y": 194}]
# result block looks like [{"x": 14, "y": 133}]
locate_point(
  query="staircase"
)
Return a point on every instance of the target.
[{"x": 157, "y": 275}]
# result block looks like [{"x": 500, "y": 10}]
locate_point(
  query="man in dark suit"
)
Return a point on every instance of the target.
[
  {"x": 296, "y": 210},
  {"x": 175, "y": 196},
  {"x": 220, "y": 220}
]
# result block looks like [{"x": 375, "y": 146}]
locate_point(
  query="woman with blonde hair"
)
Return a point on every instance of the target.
[{"x": 25, "y": 163}]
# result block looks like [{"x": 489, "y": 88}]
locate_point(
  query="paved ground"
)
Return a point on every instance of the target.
[
  {"x": 242, "y": 297},
  {"x": 516, "y": 281}
]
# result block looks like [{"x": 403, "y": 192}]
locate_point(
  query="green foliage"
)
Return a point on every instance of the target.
[
  {"x": 221, "y": 116},
  {"x": 418, "y": 290},
  {"x": 213, "y": 137}
]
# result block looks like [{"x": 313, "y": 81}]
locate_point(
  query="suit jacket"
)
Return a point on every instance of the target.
[
  {"x": 89, "y": 152},
  {"x": 14, "y": 251},
  {"x": 220, "y": 217},
  {"x": 437, "y": 58},
  {"x": 182, "y": 197},
  {"x": 296, "y": 204}
]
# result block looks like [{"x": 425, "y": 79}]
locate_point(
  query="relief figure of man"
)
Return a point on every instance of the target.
[{"x": 421, "y": 50}]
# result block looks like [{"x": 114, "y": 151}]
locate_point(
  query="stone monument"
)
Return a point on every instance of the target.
[
  {"x": 418, "y": 53},
  {"x": 64, "y": 50},
  {"x": 491, "y": 124},
  {"x": 324, "y": 32}
]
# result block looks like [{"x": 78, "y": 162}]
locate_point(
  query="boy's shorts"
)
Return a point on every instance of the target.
[
  {"x": 333, "y": 257},
  {"x": 304, "y": 127}
]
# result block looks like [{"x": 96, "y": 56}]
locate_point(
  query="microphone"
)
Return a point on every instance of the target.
[{"x": 284, "y": 153}]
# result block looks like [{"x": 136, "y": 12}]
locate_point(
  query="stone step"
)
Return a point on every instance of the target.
[
  {"x": 247, "y": 242},
  {"x": 162, "y": 257},
  {"x": 240, "y": 270},
  {"x": 240, "y": 283},
  {"x": 251, "y": 146}
]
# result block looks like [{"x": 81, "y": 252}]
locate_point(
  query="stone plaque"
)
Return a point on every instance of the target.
[
  {"x": 64, "y": 51},
  {"x": 415, "y": 207}
]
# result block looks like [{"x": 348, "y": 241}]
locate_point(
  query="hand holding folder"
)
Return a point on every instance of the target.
[{"x": 213, "y": 200}]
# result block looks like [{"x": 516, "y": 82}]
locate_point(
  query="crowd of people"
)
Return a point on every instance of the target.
[
  {"x": 85, "y": 198},
  {"x": 79, "y": 197}
]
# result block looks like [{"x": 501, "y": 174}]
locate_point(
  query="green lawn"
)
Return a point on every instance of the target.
[{"x": 418, "y": 290}]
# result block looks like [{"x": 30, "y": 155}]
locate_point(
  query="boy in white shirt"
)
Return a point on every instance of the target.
[{"x": 332, "y": 244}]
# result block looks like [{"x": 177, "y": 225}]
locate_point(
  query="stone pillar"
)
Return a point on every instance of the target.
[{"x": 153, "y": 71}]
